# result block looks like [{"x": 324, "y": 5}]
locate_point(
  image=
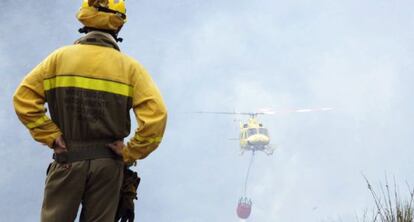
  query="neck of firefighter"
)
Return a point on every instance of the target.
[{"x": 109, "y": 36}]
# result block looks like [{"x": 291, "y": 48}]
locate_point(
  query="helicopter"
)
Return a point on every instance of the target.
[{"x": 253, "y": 135}]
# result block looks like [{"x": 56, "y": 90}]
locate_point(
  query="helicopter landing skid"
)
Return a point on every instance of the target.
[{"x": 268, "y": 150}]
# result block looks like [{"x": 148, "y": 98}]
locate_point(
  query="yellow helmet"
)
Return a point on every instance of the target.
[
  {"x": 114, "y": 6},
  {"x": 103, "y": 14}
]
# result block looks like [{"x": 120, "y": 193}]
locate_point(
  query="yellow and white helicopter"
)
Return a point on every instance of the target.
[{"x": 253, "y": 135}]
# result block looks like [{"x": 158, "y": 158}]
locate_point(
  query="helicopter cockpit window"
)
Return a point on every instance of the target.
[
  {"x": 251, "y": 132},
  {"x": 263, "y": 131}
]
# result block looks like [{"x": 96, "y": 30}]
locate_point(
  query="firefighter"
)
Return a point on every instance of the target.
[{"x": 90, "y": 87}]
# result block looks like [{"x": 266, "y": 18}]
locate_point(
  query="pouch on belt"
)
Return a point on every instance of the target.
[{"x": 126, "y": 210}]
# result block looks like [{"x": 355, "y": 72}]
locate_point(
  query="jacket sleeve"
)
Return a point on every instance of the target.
[
  {"x": 29, "y": 100},
  {"x": 151, "y": 114}
]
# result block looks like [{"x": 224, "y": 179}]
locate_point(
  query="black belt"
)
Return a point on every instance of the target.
[{"x": 89, "y": 153}]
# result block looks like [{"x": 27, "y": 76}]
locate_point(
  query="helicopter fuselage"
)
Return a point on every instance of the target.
[{"x": 253, "y": 136}]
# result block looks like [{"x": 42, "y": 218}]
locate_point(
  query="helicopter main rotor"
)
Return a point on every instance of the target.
[
  {"x": 269, "y": 112},
  {"x": 233, "y": 113}
]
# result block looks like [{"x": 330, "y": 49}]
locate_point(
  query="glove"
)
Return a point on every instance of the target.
[{"x": 128, "y": 194}]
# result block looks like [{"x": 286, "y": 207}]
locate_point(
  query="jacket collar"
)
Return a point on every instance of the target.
[{"x": 98, "y": 38}]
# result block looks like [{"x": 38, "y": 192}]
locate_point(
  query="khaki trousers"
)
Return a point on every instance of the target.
[{"x": 93, "y": 183}]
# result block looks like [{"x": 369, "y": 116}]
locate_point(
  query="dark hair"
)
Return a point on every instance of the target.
[{"x": 111, "y": 32}]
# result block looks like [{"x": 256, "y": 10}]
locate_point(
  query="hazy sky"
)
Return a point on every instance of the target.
[{"x": 354, "y": 56}]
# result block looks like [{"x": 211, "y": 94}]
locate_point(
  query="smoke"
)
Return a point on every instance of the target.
[{"x": 238, "y": 55}]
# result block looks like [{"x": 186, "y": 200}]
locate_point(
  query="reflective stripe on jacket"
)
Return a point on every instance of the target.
[{"x": 90, "y": 88}]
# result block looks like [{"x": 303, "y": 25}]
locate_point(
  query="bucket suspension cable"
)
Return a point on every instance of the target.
[{"x": 248, "y": 173}]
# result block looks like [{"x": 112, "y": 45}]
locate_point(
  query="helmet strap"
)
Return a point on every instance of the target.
[{"x": 103, "y": 9}]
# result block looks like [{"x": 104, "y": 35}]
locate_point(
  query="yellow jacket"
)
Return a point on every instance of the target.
[{"x": 90, "y": 88}]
